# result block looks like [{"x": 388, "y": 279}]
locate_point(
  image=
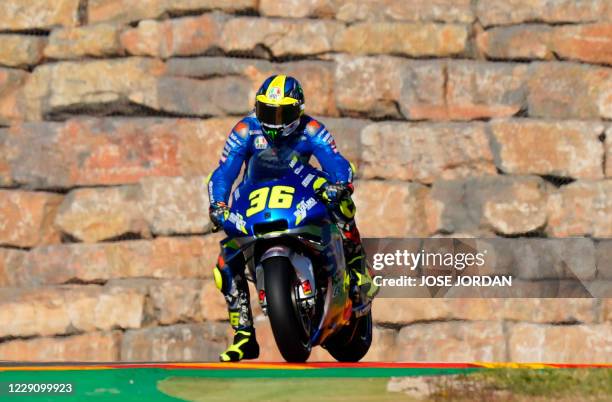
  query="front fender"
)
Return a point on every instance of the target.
[
  {"x": 302, "y": 265},
  {"x": 277, "y": 251}
]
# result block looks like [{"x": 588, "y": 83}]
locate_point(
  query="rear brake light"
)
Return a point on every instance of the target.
[
  {"x": 306, "y": 287},
  {"x": 262, "y": 295}
]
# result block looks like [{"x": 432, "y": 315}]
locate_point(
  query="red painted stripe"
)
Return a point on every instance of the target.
[
  {"x": 285, "y": 366},
  {"x": 211, "y": 366},
  {"x": 390, "y": 365}
]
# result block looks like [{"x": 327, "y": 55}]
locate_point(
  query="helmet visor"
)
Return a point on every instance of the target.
[{"x": 276, "y": 115}]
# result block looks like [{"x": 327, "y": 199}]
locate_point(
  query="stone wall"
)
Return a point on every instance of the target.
[{"x": 464, "y": 117}]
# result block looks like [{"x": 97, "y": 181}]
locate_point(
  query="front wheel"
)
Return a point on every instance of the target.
[
  {"x": 353, "y": 341},
  {"x": 292, "y": 337}
]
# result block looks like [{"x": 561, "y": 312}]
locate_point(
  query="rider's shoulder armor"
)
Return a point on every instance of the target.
[
  {"x": 312, "y": 126},
  {"x": 242, "y": 128}
]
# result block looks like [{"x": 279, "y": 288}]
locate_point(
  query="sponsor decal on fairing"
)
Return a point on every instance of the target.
[
  {"x": 307, "y": 180},
  {"x": 302, "y": 208}
]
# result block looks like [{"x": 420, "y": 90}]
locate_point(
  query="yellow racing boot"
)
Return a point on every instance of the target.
[{"x": 245, "y": 346}]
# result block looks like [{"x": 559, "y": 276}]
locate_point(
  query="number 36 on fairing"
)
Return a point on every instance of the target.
[{"x": 279, "y": 197}]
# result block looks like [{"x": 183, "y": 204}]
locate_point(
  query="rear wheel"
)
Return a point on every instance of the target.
[
  {"x": 290, "y": 330},
  {"x": 353, "y": 341}
]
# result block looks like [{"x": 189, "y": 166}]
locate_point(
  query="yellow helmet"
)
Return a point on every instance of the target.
[{"x": 279, "y": 104}]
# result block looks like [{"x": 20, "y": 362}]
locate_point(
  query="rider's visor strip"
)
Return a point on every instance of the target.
[{"x": 276, "y": 115}]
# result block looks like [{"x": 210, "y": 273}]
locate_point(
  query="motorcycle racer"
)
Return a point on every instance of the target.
[{"x": 279, "y": 119}]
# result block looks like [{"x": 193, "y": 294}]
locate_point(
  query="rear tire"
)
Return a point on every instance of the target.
[
  {"x": 353, "y": 341},
  {"x": 291, "y": 338}
]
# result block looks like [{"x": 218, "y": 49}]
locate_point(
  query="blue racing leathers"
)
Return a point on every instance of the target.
[{"x": 311, "y": 138}]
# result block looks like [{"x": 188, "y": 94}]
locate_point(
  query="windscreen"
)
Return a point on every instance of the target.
[{"x": 271, "y": 164}]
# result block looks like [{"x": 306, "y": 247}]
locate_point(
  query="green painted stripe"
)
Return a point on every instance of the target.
[
  {"x": 332, "y": 372},
  {"x": 138, "y": 384}
]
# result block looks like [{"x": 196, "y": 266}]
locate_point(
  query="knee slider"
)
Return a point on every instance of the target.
[
  {"x": 221, "y": 280},
  {"x": 347, "y": 208}
]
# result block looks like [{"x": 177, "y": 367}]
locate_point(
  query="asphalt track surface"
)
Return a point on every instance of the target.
[{"x": 138, "y": 382}]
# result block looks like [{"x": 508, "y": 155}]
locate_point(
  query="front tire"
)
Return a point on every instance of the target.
[
  {"x": 353, "y": 341},
  {"x": 291, "y": 337}
]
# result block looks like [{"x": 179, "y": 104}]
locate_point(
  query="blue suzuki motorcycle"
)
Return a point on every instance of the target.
[{"x": 294, "y": 255}]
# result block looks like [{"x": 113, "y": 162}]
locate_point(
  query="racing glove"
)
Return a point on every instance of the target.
[
  {"x": 218, "y": 213},
  {"x": 334, "y": 193}
]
